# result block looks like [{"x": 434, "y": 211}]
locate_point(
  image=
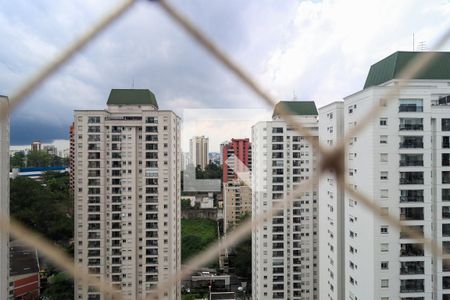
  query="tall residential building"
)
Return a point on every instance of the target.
[
  {"x": 237, "y": 198},
  {"x": 199, "y": 148},
  {"x": 36, "y": 146},
  {"x": 4, "y": 200},
  {"x": 237, "y": 161},
  {"x": 127, "y": 191},
  {"x": 331, "y": 209},
  {"x": 402, "y": 161},
  {"x": 284, "y": 250},
  {"x": 237, "y": 157},
  {"x": 72, "y": 158}
]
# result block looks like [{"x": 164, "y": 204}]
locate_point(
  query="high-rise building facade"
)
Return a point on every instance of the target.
[
  {"x": 127, "y": 191},
  {"x": 331, "y": 209},
  {"x": 237, "y": 194},
  {"x": 237, "y": 157},
  {"x": 199, "y": 148},
  {"x": 402, "y": 161},
  {"x": 284, "y": 250},
  {"x": 4, "y": 200}
]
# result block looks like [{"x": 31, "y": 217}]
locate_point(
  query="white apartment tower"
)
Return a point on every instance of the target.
[
  {"x": 127, "y": 191},
  {"x": 331, "y": 209},
  {"x": 198, "y": 148},
  {"x": 284, "y": 250},
  {"x": 4, "y": 200},
  {"x": 402, "y": 161}
]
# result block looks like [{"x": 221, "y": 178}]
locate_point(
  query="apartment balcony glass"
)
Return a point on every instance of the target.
[
  {"x": 446, "y": 142},
  {"x": 445, "y": 194},
  {"x": 415, "y": 249},
  {"x": 445, "y": 212},
  {"x": 445, "y": 124},
  {"x": 94, "y": 155},
  {"x": 417, "y": 228},
  {"x": 410, "y": 105},
  {"x": 412, "y": 267},
  {"x": 407, "y": 160},
  {"x": 411, "y": 196},
  {"x": 411, "y": 178},
  {"x": 412, "y": 286},
  {"x": 411, "y": 142},
  {"x": 445, "y": 176},
  {"x": 277, "y": 139},
  {"x": 446, "y": 230},
  {"x": 446, "y": 265},
  {"x": 446, "y": 247},
  {"x": 411, "y": 213},
  {"x": 446, "y": 282},
  {"x": 411, "y": 124}
]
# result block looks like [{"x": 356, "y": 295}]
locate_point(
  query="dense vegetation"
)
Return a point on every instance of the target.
[
  {"x": 39, "y": 158},
  {"x": 47, "y": 208},
  {"x": 196, "y": 235}
]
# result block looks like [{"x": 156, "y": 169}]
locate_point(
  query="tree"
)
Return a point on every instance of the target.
[
  {"x": 44, "y": 207},
  {"x": 17, "y": 160},
  {"x": 61, "y": 287}
]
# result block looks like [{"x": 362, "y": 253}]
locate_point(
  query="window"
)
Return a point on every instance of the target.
[
  {"x": 383, "y": 157},
  {"x": 445, "y": 124},
  {"x": 383, "y": 139},
  {"x": 383, "y": 175},
  {"x": 384, "y": 193},
  {"x": 384, "y": 247},
  {"x": 411, "y": 105},
  {"x": 384, "y": 283},
  {"x": 383, "y": 121},
  {"x": 411, "y": 124},
  {"x": 384, "y": 265},
  {"x": 384, "y": 229}
]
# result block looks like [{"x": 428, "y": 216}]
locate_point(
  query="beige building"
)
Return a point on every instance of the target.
[
  {"x": 127, "y": 191},
  {"x": 237, "y": 202},
  {"x": 4, "y": 200},
  {"x": 198, "y": 148}
]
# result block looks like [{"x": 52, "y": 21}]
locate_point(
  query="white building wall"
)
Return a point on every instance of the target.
[
  {"x": 4, "y": 201},
  {"x": 331, "y": 210},
  {"x": 375, "y": 264},
  {"x": 284, "y": 257}
]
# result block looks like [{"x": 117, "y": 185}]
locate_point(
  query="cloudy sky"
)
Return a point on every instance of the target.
[{"x": 313, "y": 50}]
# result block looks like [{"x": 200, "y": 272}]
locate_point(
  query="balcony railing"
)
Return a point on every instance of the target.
[
  {"x": 409, "y": 163},
  {"x": 410, "y": 108},
  {"x": 411, "y": 127},
  {"x": 412, "y": 268},
  {"x": 412, "y": 286}
]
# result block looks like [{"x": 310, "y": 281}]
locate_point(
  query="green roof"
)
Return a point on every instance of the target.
[
  {"x": 301, "y": 108},
  {"x": 132, "y": 97},
  {"x": 392, "y": 66}
]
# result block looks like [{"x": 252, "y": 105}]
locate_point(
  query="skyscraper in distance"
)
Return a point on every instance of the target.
[{"x": 199, "y": 149}]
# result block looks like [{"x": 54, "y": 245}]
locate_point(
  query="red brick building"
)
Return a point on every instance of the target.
[
  {"x": 24, "y": 272},
  {"x": 236, "y": 149}
]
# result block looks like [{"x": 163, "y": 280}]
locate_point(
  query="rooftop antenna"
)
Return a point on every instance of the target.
[
  {"x": 294, "y": 96},
  {"x": 413, "y": 42},
  {"x": 132, "y": 85},
  {"x": 422, "y": 46}
]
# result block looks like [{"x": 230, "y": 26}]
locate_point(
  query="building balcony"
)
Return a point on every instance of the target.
[
  {"x": 403, "y": 127},
  {"x": 410, "y": 108},
  {"x": 411, "y": 250},
  {"x": 417, "y": 228},
  {"x": 412, "y": 286},
  {"x": 411, "y": 213},
  {"x": 412, "y": 267},
  {"x": 411, "y": 178}
]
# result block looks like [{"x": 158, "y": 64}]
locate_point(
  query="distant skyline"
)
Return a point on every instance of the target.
[{"x": 310, "y": 50}]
